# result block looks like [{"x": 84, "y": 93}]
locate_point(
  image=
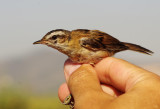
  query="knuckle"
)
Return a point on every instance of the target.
[
  {"x": 77, "y": 77},
  {"x": 81, "y": 75},
  {"x": 81, "y": 79}
]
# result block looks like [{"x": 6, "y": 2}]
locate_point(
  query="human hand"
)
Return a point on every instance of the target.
[{"x": 111, "y": 84}]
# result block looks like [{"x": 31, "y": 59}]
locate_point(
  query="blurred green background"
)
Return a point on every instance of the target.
[{"x": 31, "y": 75}]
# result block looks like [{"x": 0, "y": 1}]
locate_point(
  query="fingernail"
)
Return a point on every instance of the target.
[{"x": 70, "y": 67}]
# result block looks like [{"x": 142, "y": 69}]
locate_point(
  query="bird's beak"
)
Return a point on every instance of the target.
[{"x": 38, "y": 42}]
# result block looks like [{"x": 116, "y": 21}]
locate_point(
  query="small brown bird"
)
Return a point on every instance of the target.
[{"x": 87, "y": 46}]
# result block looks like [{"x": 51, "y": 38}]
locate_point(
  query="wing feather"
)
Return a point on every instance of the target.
[{"x": 102, "y": 41}]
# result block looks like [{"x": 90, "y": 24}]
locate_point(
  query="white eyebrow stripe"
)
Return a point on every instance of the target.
[
  {"x": 58, "y": 33},
  {"x": 55, "y": 33}
]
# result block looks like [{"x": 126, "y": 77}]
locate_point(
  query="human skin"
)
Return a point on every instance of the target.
[{"x": 111, "y": 84}]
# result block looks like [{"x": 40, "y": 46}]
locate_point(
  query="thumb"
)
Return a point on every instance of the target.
[{"x": 83, "y": 81}]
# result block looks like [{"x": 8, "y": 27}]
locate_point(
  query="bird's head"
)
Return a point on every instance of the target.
[{"x": 55, "y": 38}]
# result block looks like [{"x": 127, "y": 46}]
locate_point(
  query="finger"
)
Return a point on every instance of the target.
[
  {"x": 63, "y": 92},
  {"x": 71, "y": 67},
  {"x": 119, "y": 73},
  {"x": 83, "y": 81},
  {"x": 110, "y": 90}
]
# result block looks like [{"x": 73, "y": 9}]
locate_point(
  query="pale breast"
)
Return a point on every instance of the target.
[{"x": 84, "y": 55}]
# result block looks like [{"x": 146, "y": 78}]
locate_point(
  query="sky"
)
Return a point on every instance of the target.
[{"x": 24, "y": 21}]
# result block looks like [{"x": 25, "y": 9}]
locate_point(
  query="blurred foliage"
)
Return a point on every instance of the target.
[
  {"x": 45, "y": 103},
  {"x": 11, "y": 98}
]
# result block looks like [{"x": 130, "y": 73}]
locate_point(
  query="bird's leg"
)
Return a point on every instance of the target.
[{"x": 69, "y": 100}]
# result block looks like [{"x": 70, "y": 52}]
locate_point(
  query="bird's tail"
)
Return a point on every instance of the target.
[{"x": 138, "y": 48}]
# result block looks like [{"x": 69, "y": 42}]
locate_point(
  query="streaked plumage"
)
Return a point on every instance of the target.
[{"x": 87, "y": 46}]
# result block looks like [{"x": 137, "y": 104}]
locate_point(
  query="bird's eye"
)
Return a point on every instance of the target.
[{"x": 54, "y": 37}]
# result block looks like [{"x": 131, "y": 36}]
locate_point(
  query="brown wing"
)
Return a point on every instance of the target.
[{"x": 102, "y": 41}]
